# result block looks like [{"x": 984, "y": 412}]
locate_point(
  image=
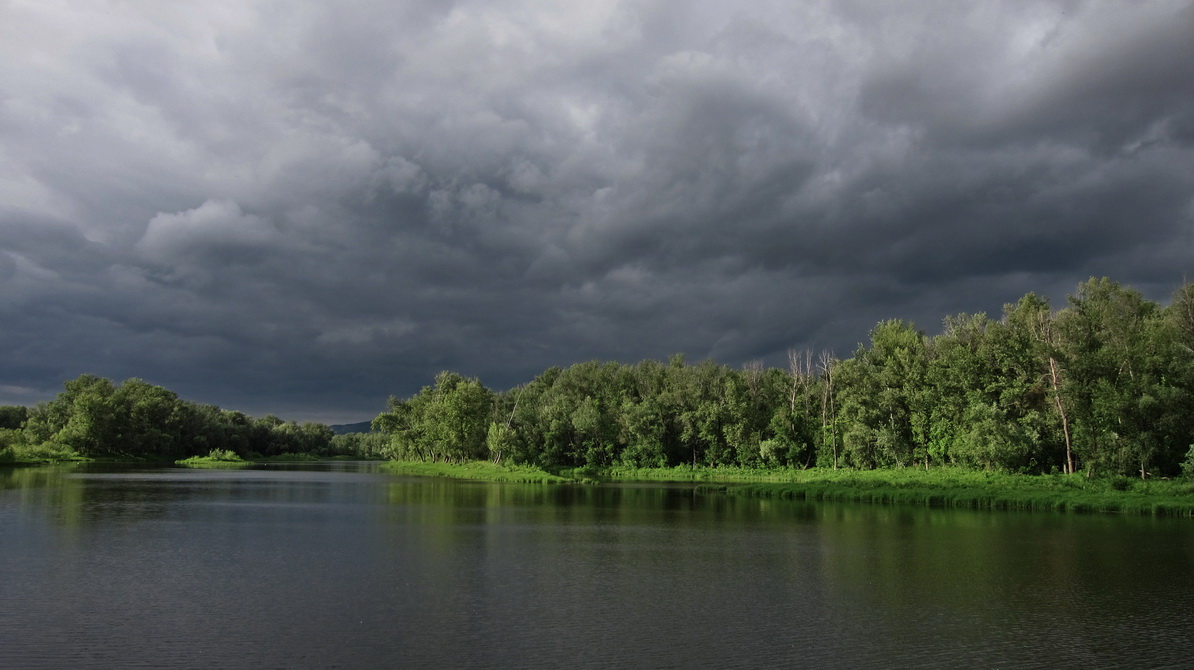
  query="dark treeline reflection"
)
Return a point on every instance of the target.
[
  {"x": 572, "y": 504},
  {"x": 339, "y": 565},
  {"x": 1104, "y": 385}
]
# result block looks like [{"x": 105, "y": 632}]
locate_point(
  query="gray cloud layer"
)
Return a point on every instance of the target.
[{"x": 303, "y": 207}]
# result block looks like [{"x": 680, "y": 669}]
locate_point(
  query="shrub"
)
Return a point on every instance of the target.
[{"x": 1188, "y": 464}]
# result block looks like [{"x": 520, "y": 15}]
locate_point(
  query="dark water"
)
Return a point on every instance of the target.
[{"x": 340, "y": 566}]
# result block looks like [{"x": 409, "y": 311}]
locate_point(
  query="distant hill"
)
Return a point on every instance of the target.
[{"x": 345, "y": 428}]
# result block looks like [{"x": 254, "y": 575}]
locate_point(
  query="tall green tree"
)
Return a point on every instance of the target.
[
  {"x": 879, "y": 387},
  {"x": 82, "y": 417},
  {"x": 13, "y": 416},
  {"x": 445, "y": 422},
  {"x": 1112, "y": 386}
]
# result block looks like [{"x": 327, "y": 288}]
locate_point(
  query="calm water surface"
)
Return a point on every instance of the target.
[{"x": 338, "y": 565}]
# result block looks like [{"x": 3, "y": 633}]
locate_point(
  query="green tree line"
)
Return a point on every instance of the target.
[
  {"x": 1104, "y": 385},
  {"x": 94, "y": 418}
]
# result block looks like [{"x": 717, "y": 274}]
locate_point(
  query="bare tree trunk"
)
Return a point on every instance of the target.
[
  {"x": 1046, "y": 335},
  {"x": 1055, "y": 380},
  {"x": 517, "y": 398},
  {"x": 800, "y": 370},
  {"x": 753, "y": 371},
  {"x": 828, "y": 418},
  {"x": 794, "y": 374}
]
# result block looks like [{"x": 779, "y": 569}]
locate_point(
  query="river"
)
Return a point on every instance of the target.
[{"x": 340, "y": 565}]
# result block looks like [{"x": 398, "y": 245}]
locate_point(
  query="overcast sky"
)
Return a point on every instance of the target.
[{"x": 301, "y": 208}]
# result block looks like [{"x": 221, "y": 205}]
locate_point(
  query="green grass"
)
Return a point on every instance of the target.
[
  {"x": 946, "y": 487},
  {"x": 938, "y": 487},
  {"x": 684, "y": 473},
  {"x": 480, "y": 470},
  {"x": 25, "y": 454}
]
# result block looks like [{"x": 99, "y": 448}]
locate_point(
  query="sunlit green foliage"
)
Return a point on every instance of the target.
[
  {"x": 1104, "y": 386},
  {"x": 445, "y": 422},
  {"x": 953, "y": 487},
  {"x": 214, "y": 458},
  {"x": 480, "y": 470},
  {"x": 94, "y": 418}
]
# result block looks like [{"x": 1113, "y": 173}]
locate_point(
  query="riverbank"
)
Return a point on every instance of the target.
[
  {"x": 224, "y": 459},
  {"x": 943, "y": 487},
  {"x": 216, "y": 458},
  {"x": 478, "y": 470},
  {"x": 983, "y": 490},
  {"x": 938, "y": 487}
]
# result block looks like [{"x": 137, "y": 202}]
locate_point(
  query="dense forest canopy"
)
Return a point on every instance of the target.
[
  {"x": 1104, "y": 385},
  {"x": 93, "y": 418}
]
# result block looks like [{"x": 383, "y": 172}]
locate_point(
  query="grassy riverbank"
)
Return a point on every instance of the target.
[
  {"x": 982, "y": 490},
  {"x": 224, "y": 459},
  {"x": 480, "y": 470},
  {"x": 48, "y": 455},
  {"x": 939, "y": 487},
  {"x": 685, "y": 473}
]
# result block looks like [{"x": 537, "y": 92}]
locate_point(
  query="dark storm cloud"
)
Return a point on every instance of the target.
[{"x": 301, "y": 208}]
